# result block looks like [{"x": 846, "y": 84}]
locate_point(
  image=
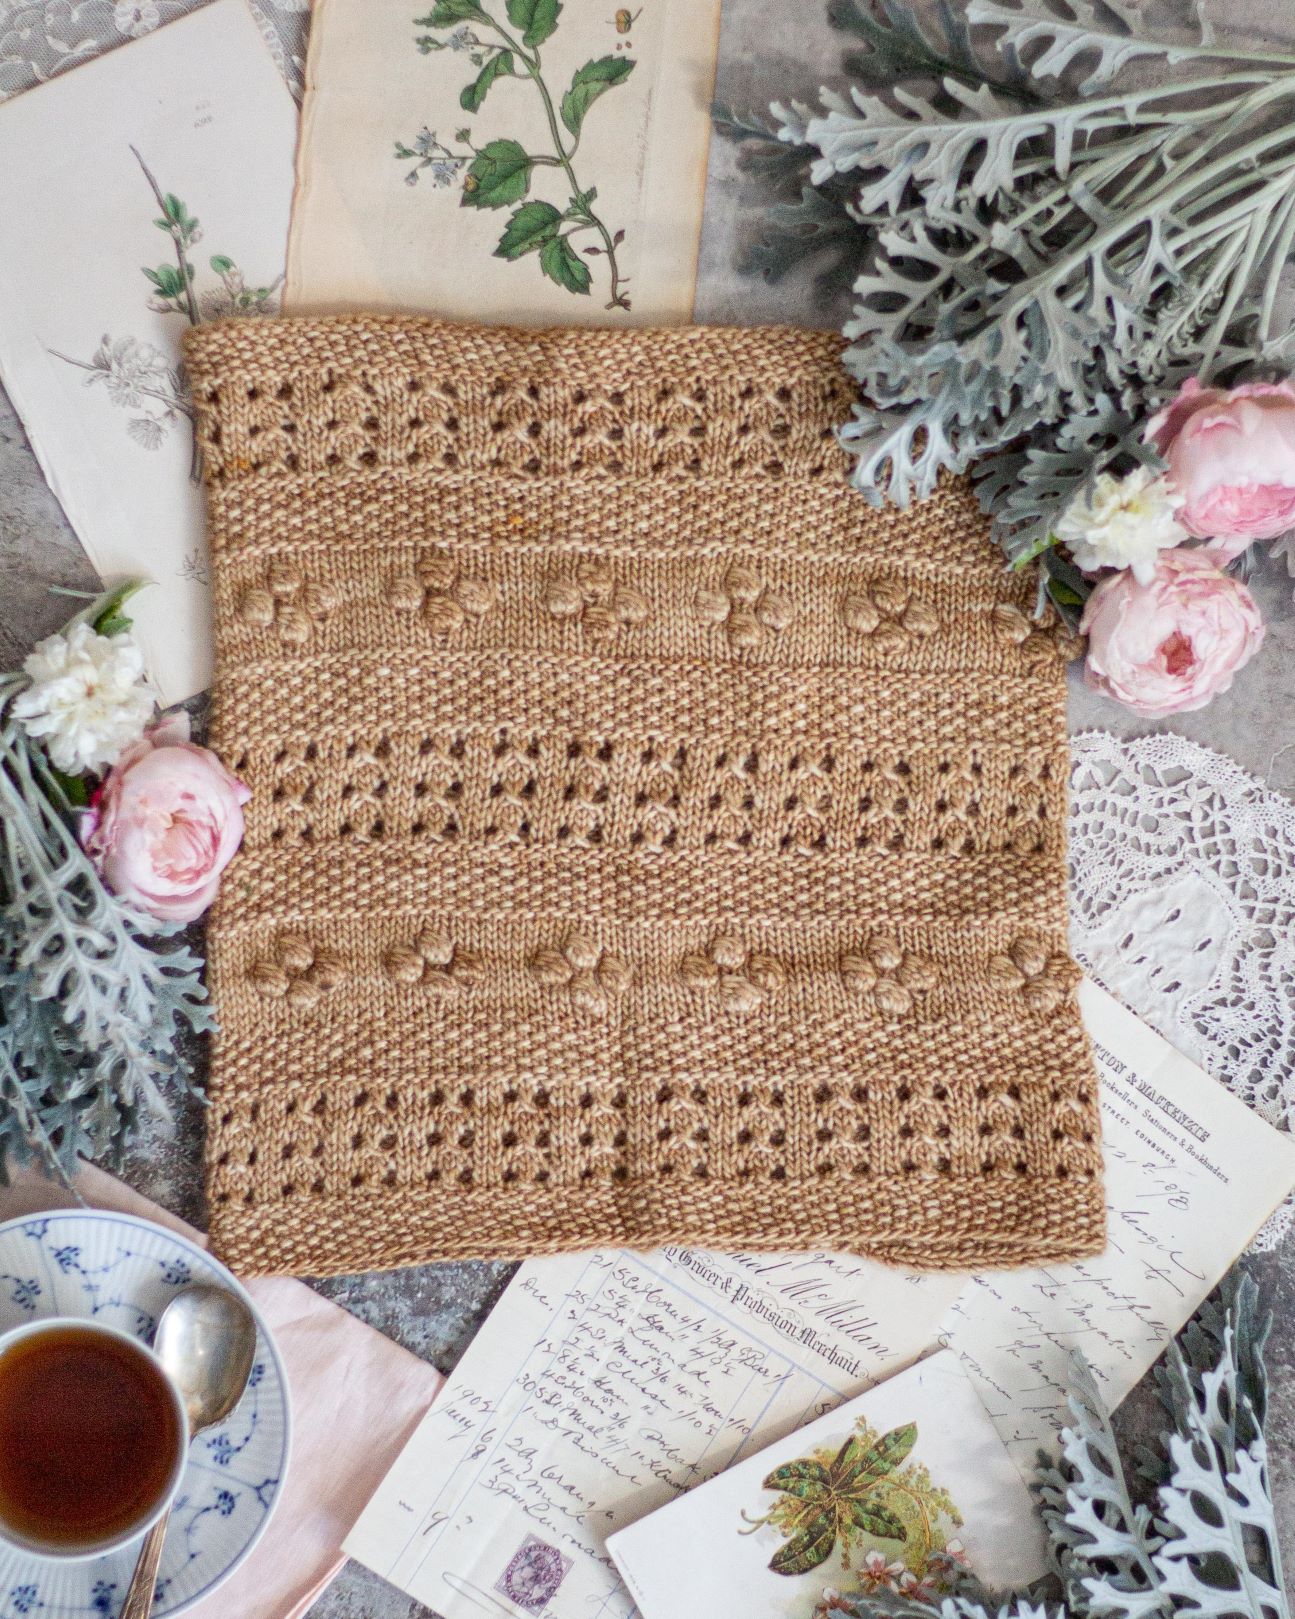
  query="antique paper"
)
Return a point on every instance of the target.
[
  {"x": 527, "y": 161},
  {"x": 174, "y": 212},
  {"x": 917, "y": 1457},
  {"x": 604, "y": 1385},
  {"x": 1191, "y": 1175},
  {"x": 600, "y": 1387}
]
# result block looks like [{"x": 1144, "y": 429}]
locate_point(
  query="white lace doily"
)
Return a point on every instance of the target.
[
  {"x": 42, "y": 38},
  {"x": 1182, "y": 898}
]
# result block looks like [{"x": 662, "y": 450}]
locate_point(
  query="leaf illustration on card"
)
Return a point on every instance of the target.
[
  {"x": 836, "y": 1501},
  {"x": 137, "y": 375},
  {"x": 591, "y": 81},
  {"x": 562, "y": 229}
]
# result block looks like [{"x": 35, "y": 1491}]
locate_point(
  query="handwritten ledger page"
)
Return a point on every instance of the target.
[
  {"x": 509, "y": 160},
  {"x": 605, "y": 1384}
]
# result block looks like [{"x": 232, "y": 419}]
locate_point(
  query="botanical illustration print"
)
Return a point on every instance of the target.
[
  {"x": 890, "y": 1524},
  {"x": 136, "y": 375},
  {"x": 500, "y": 172}
]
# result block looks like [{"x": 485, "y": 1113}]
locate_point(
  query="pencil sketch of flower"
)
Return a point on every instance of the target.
[
  {"x": 194, "y": 567},
  {"x": 131, "y": 370},
  {"x": 500, "y": 172},
  {"x": 136, "y": 375}
]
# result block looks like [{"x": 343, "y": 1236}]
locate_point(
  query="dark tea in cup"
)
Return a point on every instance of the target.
[{"x": 92, "y": 1438}]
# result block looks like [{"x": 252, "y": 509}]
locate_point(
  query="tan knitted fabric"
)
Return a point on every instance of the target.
[{"x": 650, "y": 841}]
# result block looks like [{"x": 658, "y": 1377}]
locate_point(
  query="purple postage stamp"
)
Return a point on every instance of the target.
[{"x": 534, "y": 1573}]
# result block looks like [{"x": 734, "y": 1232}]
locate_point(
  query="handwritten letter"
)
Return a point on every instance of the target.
[{"x": 1191, "y": 1175}]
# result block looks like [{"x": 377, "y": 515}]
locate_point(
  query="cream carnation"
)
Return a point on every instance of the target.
[
  {"x": 87, "y": 700},
  {"x": 1122, "y": 523}
]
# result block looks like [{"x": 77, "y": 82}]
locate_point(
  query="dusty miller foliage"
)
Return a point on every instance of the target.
[
  {"x": 1050, "y": 220},
  {"x": 93, "y": 993},
  {"x": 1204, "y": 1545}
]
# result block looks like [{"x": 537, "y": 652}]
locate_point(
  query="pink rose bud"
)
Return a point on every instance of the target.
[
  {"x": 1170, "y": 645},
  {"x": 165, "y": 823},
  {"x": 1231, "y": 455}
]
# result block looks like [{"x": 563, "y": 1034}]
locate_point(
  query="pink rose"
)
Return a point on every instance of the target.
[
  {"x": 1231, "y": 455},
  {"x": 1169, "y": 646},
  {"x": 165, "y": 823}
]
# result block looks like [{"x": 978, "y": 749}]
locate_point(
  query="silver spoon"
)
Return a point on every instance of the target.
[{"x": 206, "y": 1340}]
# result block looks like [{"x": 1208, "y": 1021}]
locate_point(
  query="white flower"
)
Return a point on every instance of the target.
[
  {"x": 877, "y": 1573},
  {"x": 87, "y": 700},
  {"x": 1122, "y": 523}
]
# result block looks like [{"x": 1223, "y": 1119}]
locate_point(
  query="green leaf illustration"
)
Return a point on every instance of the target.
[
  {"x": 838, "y": 1499},
  {"x": 876, "y": 1520},
  {"x": 806, "y": 1480},
  {"x": 499, "y": 174},
  {"x": 886, "y": 1455},
  {"x": 589, "y": 83},
  {"x": 559, "y": 262},
  {"x": 220, "y": 264},
  {"x": 167, "y": 279},
  {"x": 498, "y": 67},
  {"x": 528, "y": 229},
  {"x": 445, "y": 13},
  {"x": 807, "y": 1549},
  {"x": 537, "y": 17}
]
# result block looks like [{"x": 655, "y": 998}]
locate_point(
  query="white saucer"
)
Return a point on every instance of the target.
[{"x": 124, "y": 1272}]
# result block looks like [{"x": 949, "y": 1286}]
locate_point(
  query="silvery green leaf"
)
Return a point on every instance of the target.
[
  {"x": 792, "y": 119},
  {"x": 92, "y": 999},
  {"x": 1102, "y": 1544},
  {"x": 902, "y": 453},
  {"x": 1216, "y": 1507},
  {"x": 973, "y": 147},
  {"x": 1080, "y": 32}
]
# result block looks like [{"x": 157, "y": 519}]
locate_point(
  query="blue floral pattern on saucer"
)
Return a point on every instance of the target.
[{"x": 123, "y": 1271}]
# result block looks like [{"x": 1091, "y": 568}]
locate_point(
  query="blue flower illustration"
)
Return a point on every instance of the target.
[
  {"x": 25, "y": 1291},
  {"x": 68, "y": 1258},
  {"x": 102, "y": 1596},
  {"x": 226, "y": 1501},
  {"x": 222, "y": 1449},
  {"x": 176, "y": 1272},
  {"x": 25, "y": 1598}
]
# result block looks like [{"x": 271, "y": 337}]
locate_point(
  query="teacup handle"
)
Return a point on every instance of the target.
[{"x": 139, "y": 1599}]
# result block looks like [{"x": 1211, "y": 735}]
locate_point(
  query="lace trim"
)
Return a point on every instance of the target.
[{"x": 1183, "y": 903}]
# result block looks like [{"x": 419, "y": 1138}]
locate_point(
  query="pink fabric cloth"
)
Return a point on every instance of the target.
[{"x": 356, "y": 1398}]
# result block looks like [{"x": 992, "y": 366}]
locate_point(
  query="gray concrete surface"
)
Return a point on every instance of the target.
[{"x": 768, "y": 48}]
